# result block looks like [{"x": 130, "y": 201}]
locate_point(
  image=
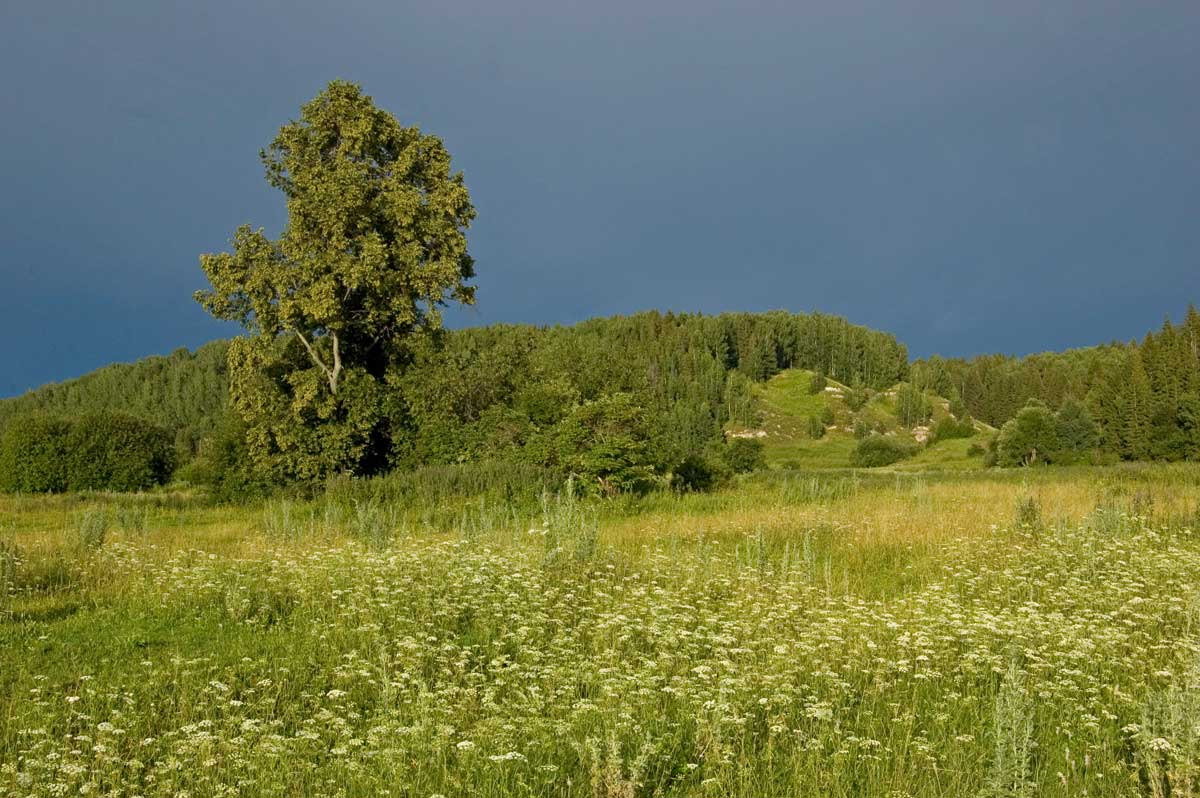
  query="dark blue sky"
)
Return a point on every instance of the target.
[{"x": 971, "y": 176}]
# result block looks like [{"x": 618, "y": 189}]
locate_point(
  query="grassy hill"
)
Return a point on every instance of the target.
[{"x": 788, "y": 403}]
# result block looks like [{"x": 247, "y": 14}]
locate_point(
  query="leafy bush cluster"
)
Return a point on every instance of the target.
[
  {"x": 96, "y": 451},
  {"x": 949, "y": 428},
  {"x": 1038, "y": 435},
  {"x": 881, "y": 450}
]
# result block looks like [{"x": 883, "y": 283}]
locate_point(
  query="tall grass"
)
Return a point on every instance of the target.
[{"x": 886, "y": 637}]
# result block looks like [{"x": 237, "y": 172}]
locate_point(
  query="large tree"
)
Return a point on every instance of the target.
[{"x": 374, "y": 246}]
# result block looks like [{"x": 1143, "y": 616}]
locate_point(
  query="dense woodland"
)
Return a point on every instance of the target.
[
  {"x": 631, "y": 402},
  {"x": 1144, "y": 396},
  {"x": 621, "y": 402}
]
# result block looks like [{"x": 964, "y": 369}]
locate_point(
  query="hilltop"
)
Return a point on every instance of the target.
[{"x": 788, "y": 405}]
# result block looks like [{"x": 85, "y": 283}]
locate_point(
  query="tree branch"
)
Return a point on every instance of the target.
[
  {"x": 333, "y": 375},
  {"x": 337, "y": 365}
]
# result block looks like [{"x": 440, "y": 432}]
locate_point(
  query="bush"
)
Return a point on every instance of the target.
[
  {"x": 743, "y": 455},
  {"x": 816, "y": 427},
  {"x": 695, "y": 474},
  {"x": 949, "y": 428},
  {"x": 856, "y": 398},
  {"x": 112, "y": 451},
  {"x": 223, "y": 464},
  {"x": 1028, "y": 514},
  {"x": 879, "y": 450},
  {"x": 861, "y": 429},
  {"x": 33, "y": 455},
  {"x": 604, "y": 443},
  {"x": 1077, "y": 430}
]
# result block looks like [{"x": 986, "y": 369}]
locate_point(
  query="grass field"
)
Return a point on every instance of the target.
[{"x": 840, "y": 633}]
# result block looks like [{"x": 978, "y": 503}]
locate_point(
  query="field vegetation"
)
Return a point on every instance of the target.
[{"x": 462, "y": 633}]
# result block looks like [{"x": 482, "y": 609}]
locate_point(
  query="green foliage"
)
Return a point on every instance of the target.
[
  {"x": 1028, "y": 513},
  {"x": 494, "y": 393},
  {"x": 827, "y": 416},
  {"x": 91, "y": 528},
  {"x": 1010, "y": 773},
  {"x": 112, "y": 451},
  {"x": 950, "y": 427},
  {"x": 184, "y": 392},
  {"x": 760, "y": 359},
  {"x": 1028, "y": 439},
  {"x": 816, "y": 427},
  {"x": 223, "y": 464},
  {"x": 818, "y": 382},
  {"x": 881, "y": 450},
  {"x": 33, "y": 455},
  {"x": 856, "y": 398},
  {"x": 97, "y": 451},
  {"x": 1135, "y": 393},
  {"x": 375, "y": 244},
  {"x": 912, "y": 406},
  {"x": 1077, "y": 431},
  {"x": 743, "y": 455},
  {"x": 696, "y": 473},
  {"x": 604, "y": 445}
]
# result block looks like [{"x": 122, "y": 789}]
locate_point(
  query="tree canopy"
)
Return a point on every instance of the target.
[{"x": 375, "y": 245}]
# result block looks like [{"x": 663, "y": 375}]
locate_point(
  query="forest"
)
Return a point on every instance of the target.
[{"x": 632, "y": 403}]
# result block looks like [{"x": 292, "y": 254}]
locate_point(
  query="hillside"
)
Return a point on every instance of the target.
[
  {"x": 788, "y": 404},
  {"x": 184, "y": 391},
  {"x": 497, "y": 393},
  {"x": 510, "y": 392}
]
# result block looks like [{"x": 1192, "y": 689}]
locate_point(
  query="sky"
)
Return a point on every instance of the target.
[{"x": 969, "y": 176}]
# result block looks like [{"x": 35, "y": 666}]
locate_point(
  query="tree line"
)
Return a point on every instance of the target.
[
  {"x": 622, "y": 403},
  {"x": 1143, "y": 396}
]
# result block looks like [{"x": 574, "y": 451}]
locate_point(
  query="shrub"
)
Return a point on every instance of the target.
[
  {"x": 817, "y": 382},
  {"x": 33, "y": 455},
  {"x": 605, "y": 444},
  {"x": 91, "y": 527},
  {"x": 695, "y": 474},
  {"x": 856, "y": 398},
  {"x": 1028, "y": 513},
  {"x": 816, "y": 427},
  {"x": 861, "y": 429},
  {"x": 112, "y": 451},
  {"x": 949, "y": 428},
  {"x": 743, "y": 455},
  {"x": 879, "y": 450}
]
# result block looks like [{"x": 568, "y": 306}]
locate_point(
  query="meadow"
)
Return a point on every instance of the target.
[{"x": 965, "y": 633}]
